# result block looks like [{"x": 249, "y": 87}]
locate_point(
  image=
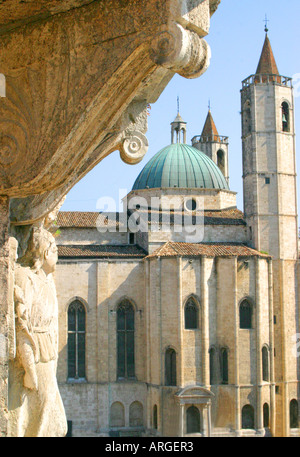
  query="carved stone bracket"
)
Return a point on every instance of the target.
[{"x": 182, "y": 51}]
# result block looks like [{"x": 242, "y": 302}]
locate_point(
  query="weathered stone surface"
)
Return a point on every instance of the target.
[
  {"x": 35, "y": 404},
  {"x": 83, "y": 66},
  {"x": 4, "y": 310}
]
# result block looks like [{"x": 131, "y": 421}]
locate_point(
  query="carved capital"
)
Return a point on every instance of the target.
[{"x": 182, "y": 51}]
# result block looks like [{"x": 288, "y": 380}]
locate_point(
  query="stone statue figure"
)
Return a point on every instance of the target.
[{"x": 35, "y": 404}]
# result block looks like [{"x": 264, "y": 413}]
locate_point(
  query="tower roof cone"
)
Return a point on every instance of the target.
[
  {"x": 210, "y": 132},
  {"x": 267, "y": 64}
]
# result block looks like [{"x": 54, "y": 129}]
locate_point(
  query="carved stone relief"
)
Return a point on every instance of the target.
[{"x": 36, "y": 408}]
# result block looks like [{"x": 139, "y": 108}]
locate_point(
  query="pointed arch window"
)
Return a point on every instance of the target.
[
  {"x": 125, "y": 340},
  {"x": 248, "y": 417},
  {"x": 285, "y": 112},
  {"x": 191, "y": 315},
  {"x": 294, "y": 421},
  {"x": 76, "y": 340},
  {"x": 221, "y": 160},
  {"x": 170, "y": 367},
  {"x": 212, "y": 366},
  {"x": 246, "y": 311},
  {"x": 265, "y": 363},
  {"x": 266, "y": 415},
  {"x": 193, "y": 420},
  {"x": 224, "y": 366}
]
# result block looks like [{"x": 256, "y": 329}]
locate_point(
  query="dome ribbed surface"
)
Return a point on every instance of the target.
[{"x": 180, "y": 165}]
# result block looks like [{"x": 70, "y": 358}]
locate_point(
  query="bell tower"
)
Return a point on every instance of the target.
[
  {"x": 270, "y": 207},
  {"x": 178, "y": 128},
  {"x": 213, "y": 145}
]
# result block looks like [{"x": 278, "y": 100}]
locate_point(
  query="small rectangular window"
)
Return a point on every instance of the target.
[
  {"x": 131, "y": 238},
  {"x": 267, "y": 180}
]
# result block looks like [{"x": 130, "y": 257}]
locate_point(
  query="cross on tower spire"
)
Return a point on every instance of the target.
[{"x": 266, "y": 20}]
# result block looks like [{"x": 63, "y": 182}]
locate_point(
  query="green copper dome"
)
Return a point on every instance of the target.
[{"x": 180, "y": 165}]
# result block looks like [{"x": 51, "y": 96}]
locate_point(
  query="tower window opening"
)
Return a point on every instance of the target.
[
  {"x": 285, "y": 117},
  {"x": 170, "y": 367},
  {"x": 221, "y": 161},
  {"x": 246, "y": 315},
  {"x": 191, "y": 315},
  {"x": 267, "y": 180},
  {"x": 224, "y": 365},
  {"x": 265, "y": 364},
  {"x": 212, "y": 366}
]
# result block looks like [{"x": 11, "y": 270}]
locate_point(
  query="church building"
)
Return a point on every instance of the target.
[{"x": 178, "y": 316}]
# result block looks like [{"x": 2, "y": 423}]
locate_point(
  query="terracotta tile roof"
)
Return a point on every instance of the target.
[
  {"x": 231, "y": 216},
  {"x": 78, "y": 219},
  {"x": 210, "y": 130},
  {"x": 174, "y": 249},
  {"x": 81, "y": 219},
  {"x": 100, "y": 251},
  {"x": 267, "y": 64}
]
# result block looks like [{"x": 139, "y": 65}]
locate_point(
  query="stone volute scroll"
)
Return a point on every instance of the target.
[
  {"x": 134, "y": 147},
  {"x": 133, "y": 143}
]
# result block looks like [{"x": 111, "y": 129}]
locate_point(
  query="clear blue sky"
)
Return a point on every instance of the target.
[{"x": 236, "y": 39}]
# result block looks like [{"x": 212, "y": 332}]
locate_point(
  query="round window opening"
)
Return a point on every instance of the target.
[{"x": 191, "y": 204}]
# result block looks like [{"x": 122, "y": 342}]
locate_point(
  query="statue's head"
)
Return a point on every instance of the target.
[{"x": 41, "y": 251}]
